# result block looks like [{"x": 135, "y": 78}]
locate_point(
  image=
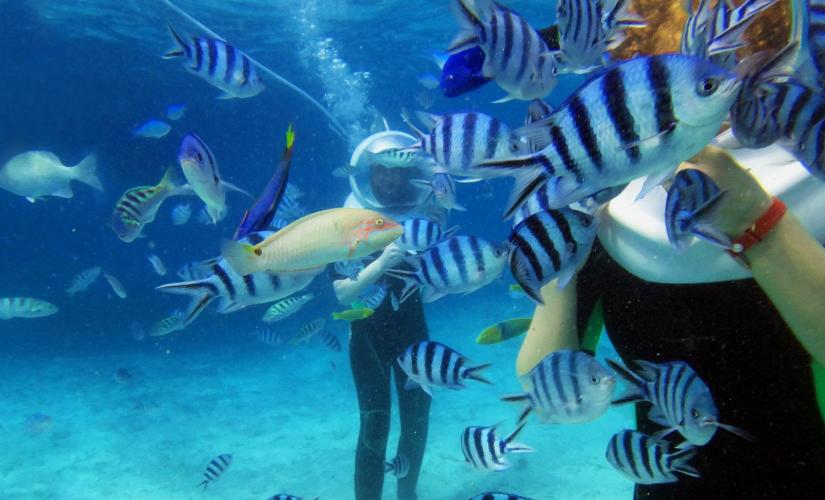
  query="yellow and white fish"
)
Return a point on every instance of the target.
[
  {"x": 314, "y": 241},
  {"x": 35, "y": 174},
  {"x": 25, "y": 307},
  {"x": 139, "y": 205}
]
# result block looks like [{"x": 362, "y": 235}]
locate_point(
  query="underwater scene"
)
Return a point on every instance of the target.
[{"x": 430, "y": 249}]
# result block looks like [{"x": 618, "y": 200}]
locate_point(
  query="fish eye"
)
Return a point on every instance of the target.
[
  {"x": 708, "y": 86},
  {"x": 379, "y": 222},
  {"x": 199, "y": 156},
  {"x": 481, "y": 269},
  {"x": 694, "y": 413},
  {"x": 594, "y": 379}
]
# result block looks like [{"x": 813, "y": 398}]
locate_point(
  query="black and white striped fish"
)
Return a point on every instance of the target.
[
  {"x": 25, "y": 307},
  {"x": 647, "y": 460},
  {"x": 495, "y": 495},
  {"x": 84, "y": 279},
  {"x": 420, "y": 234},
  {"x": 400, "y": 158},
  {"x": 588, "y": 29},
  {"x": 484, "y": 450},
  {"x": 308, "y": 331},
  {"x": 715, "y": 33},
  {"x": 194, "y": 270},
  {"x": 641, "y": 117},
  {"x": 348, "y": 268},
  {"x": 681, "y": 400},
  {"x": 215, "y": 469},
  {"x": 550, "y": 245},
  {"x": 515, "y": 55},
  {"x": 442, "y": 189},
  {"x": 269, "y": 337},
  {"x": 172, "y": 323},
  {"x": 461, "y": 264},
  {"x": 374, "y": 296},
  {"x": 398, "y": 466},
  {"x": 236, "y": 291},
  {"x": 691, "y": 201},
  {"x": 567, "y": 387},
  {"x": 457, "y": 141},
  {"x": 432, "y": 364},
  {"x": 139, "y": 205},
  {"x": 330, "y": 341},
  {"x": 219, "y": 63},
  {"x": 286, "y": 307}
]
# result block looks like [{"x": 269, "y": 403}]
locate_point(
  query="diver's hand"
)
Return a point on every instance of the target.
[
  {"x": 746, "y": 200},
  {"x": 390, "y": 257}
]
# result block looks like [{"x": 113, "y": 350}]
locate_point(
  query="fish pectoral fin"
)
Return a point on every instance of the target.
[
  {"x": 64, "y": 192},
  {"x": 667, "y": 129},
  {"x": 507, "y": 98},
  {"x": 224, "y": 95},
  {"x": 232, "y": 187},
  {"x": 31, "y": 199},
  {"x": 655, "y": 179}
]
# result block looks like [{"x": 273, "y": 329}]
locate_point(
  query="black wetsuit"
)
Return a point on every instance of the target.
[
  {"x": 759, "y": 375},
  {"x": 375, "y": 344}
]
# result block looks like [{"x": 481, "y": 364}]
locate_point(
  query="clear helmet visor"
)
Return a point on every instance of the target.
[{"x": 385, "y": 189}]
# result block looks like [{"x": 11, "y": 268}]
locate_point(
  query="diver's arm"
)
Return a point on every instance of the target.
[
  {"x": 789, "y": 266},
  {"x": 553, "y": 326},
  {"x": 348, "y": 290}
]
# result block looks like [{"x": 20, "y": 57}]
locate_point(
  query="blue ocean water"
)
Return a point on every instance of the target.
[{"x": 79, "y": 77}]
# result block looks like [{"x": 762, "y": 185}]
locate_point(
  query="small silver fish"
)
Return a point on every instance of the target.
[
  {"x": 286, "y": 308},
  {"x": 181, "y": 214},
  {"x": 175, "y": 111},
  {"x": 152, "y": 129},
  {"x": 308, "y": 331},
  {"x": 25, "y": 307},
  {"x": 83, "y": 280},
  {"x": 116, "y": 285},
  {"x": 157, "y": 264}
]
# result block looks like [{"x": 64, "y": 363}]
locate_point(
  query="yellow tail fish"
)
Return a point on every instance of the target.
[
  {"x": 504, "y": 330},
  {"x": 314, "y": 241},
  {"x": 354, "y": 314}
]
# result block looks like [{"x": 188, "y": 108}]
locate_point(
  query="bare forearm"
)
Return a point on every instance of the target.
[
  {"x": 348, "y": 290},
  {"x": 553, "y": 327},
  {"x": 789, "y": 265}
]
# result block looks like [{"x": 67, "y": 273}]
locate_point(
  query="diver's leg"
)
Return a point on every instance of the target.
[
  {"x": 371, "y": 377},
  {"x": 414, "y": 404}
]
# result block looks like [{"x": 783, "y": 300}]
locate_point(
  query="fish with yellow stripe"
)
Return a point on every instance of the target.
[
  {"x": 138, "y": 206},
  {"x": 314, "y": 241}
]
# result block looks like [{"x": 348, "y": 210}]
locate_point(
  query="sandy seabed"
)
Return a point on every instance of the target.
[{"x": 288, "y": 415}]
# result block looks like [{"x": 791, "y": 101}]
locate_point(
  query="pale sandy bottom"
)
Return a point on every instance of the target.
[{"x": 288, "y": 417}]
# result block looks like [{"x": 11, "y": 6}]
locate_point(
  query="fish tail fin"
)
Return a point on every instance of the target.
[
  {"x": 521, "y": 271},
  {"x": 203, "y": 484},
  {"x": 86, "y": 172},
  {"x": 732, "y": 37},
  {"x": 195, "y": 287},
  {"x": 702, "y": 227},
  {"x": 472, "y": 373},
  {"x": 520, "y": 398},
  {"x": 241, "y": 256},
  {"x": 514, "y": 447},
  {"x": 180, "y": 48},
  {"x": 529, "y": 173},
  {"x": 197, "y": 306},
  {"x": 388, "y": 466},
  {"x": 336, "y": 315},
  {"x": 170, "y": 181},
  {"x": 470, "y": 22},
  {"x": 637, "y": 391},
  {"x": 678, "y": 461},
  {"x": 290, "y": 137},
  {"x": 410, "y": 279}
]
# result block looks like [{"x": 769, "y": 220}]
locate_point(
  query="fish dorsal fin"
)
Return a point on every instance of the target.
[{"x": 430, "y": 120}]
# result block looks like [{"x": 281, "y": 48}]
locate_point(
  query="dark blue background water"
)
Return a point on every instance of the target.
[{"x": 72, "y": 94}]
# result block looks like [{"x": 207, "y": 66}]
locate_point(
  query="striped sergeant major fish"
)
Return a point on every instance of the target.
[
  {"x": 715, "y": 33},
  {"x": 201, "y": 171},
  {"x": 432, "y": 364},
  {"x": 374, "y": 297},
  {"x": 681, "y": 400},
  {"x": 330, "y": 341},
  {"x": 308, "y": 331},
  {"x": 219, "y": 63},
  {"x": 496, "y": 495},
  {"x": 348, "y": 268},
  {"x": 457, "y": 141},
  {"x": 235, "y": 291},
  {"x": 640, "y": 117},
  {"x": 259, "y": 216},
  {"x": 269, "y": 337},
  {"x": 400, "y": 158},
  {"x": 286, "y": 308},
  {"x": 442, "y": 189},
  {"x": 588, "y": 29},
  {"x": 398, "y": 466},
  {"x": 550, "y": 245},
  {"x": 84, "y": 279},
  {"x": 420, "y": 234},
  {"x": 484, "y": 450},
  {"x": 215, "y": 469},
  {"x": 25, "y": 307},
  {"x": 647, "y": 460},
  {"x": 515, "y": 55},
  {"x": 567, "y": 387},
  {"x": 691, "y": 201},
  {"x": 194, "y": 271},
  {"x": 461, "y": 264},
  {"x": 170, "y": 324},
  {"x": 138, "y": 206}
]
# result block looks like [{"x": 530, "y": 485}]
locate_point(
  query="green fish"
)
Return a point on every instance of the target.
[
  {"x": 504, "y": 330},
  {"x": 354, "y": 314}
]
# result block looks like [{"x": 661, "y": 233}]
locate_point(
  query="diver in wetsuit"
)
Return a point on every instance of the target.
[{"x": 377, "y": 341}]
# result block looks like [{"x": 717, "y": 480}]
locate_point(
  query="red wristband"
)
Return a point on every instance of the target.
[{"x": 757, "y": 232}]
